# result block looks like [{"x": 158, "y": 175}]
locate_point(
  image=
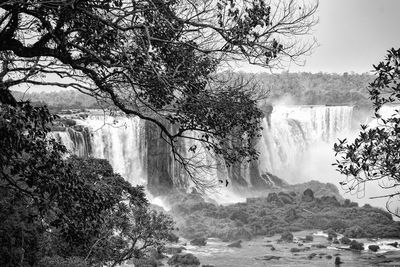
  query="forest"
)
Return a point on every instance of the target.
[{"x": 284, "y": 88}]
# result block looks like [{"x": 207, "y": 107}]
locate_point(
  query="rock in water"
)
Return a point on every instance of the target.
[
  {"x": 311, "y": 256},
  {"x": 236, "y": 244},
  {"x": 345, "y": 240},
  {"x": 309, "y": 238},
  {"x": 373, "y": 248},
  {"x": 199, "y": 241},
  {"x": 287, "y": 237},
  {"x": 338, "y": 261},
  {"x": 356, "y": 245}
]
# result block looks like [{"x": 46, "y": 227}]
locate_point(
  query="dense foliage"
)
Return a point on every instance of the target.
[
  {"x": 375, "y": 154},
  {"x": 280, "y": 212},
  {"x": 317, "y": 89},
  {"x": 56, "y": 209}
]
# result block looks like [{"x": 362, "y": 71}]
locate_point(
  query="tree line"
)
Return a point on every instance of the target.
[{"x": 292, "y": 88}]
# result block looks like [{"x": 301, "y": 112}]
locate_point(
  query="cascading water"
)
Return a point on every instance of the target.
[
  {"x": 120, "y": 140},
  {"x": 292, "y": 133},
  {"x": 138, "y": 154}
]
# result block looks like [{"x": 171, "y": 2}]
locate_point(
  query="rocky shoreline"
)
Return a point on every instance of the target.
[
  {"x": 307, "y": 248},
  {"x": 292, "y": 225},
  {"x": 277, "y": 213}
]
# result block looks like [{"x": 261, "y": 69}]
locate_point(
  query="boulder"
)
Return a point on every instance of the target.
[
  {"x": 356, "y": 245},
  {"x": 287, "y": 237},
  {"x": 201, "y": 241},
  {"x": 331, "y": 234},
  {"x": 236, "y": 244},
  {"x": 311, "y": 256},
  {"x": 345, "y": 240},
  {"x": 338, "y": 261},
  {"x": 329, "y": 201},
  {"x": 308, "y": 195},
  {"x": 309, "y": 238},
  {"x": 173, "y": 238},
  {"x": 285, "y": 198},
  {"x": 183, "y": 260},
  {"x": 373, "y": 248},
  {"x": 272, "y": 197}
]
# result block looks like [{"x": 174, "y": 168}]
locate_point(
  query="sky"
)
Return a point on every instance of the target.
[{"x": 352, "y": 35}]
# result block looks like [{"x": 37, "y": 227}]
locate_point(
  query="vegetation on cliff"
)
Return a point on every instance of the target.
[
  {"x": 280, "y": 212},
  {"x": 289, "y": 88},
  {"x": 58, "y": 211}
]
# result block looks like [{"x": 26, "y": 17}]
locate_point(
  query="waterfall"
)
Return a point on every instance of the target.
[
  {"x": 76, "y": 141},
  {"x": 289, "y": 141},
  {"x": 120, "y": 140},
  {"x": 136, "y": 151}
]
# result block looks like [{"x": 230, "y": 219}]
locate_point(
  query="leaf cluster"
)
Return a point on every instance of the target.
[{"x": 374, "y": 155}]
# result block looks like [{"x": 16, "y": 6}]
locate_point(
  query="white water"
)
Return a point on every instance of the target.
[
  {"x": 296, "y": 145},
  {"x": 299, "y": 138},
  {"x": 120, "y": 140}
]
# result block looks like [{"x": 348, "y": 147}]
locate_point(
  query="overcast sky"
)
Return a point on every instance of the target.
[{"x": 353, "y": 35}]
